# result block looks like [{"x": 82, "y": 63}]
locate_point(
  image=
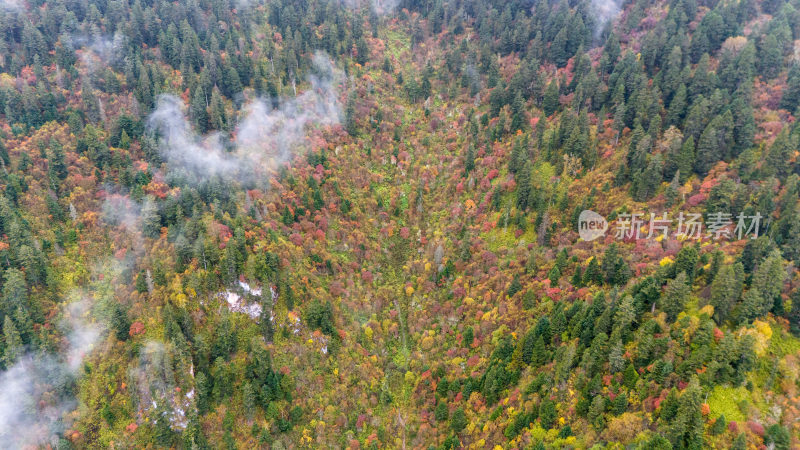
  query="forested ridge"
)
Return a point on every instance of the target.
[{"x": 344, "y": 224}]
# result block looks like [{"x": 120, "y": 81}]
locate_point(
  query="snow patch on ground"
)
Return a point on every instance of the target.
[
  {"x": 157, "y": 381},
  {"x": 250, "y": 290},
  {"x": 236, "y": 303}
]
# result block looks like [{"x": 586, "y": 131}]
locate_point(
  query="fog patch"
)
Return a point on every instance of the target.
[
  {"x": 159, "y": 387},
  {"x": 97, "y": 51},
  {"x": 36, "y": 392},
  {"x": 12, "y": 5},
  {"x": 605, "y": 11},
  {"x": 264, "y": 139}
]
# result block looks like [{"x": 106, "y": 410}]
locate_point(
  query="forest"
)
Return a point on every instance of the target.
[{"x": 286, "y": 224}]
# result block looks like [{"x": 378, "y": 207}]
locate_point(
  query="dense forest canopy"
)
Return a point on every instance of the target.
[{"x": 345, "y": 224}]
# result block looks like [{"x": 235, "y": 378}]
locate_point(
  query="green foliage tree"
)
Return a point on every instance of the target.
[
  {"x": 779, "y": 154},
  {"x": 350, "y": 124},
  {"x": 319, "y": 316},
  {"x": 726, "y": 290},
  {"x": 686, "y": 261},
  {"x": 442, "y": 413},
  {"x": 547, "y": 414},
  {"x": 469, "y": 160},
  {"x": 15, "y": 290},
  {"x": 198, "y": 110},
  {"x": 550, "y": 103},
  {"x": 120, "y": 321},
  {"x": 675, "y": 296},
  {"x": 766, "y": 287},
  {"x": 630, "y": 376},
  {"x": 596, "y": 413},
  {"x": 469, "y": 337},
  {"x": 13, "y": 342},
  {"x": 777, "y": 436},
  {"x": 151, "y": 220},
  {"x": 592, "y": 275},
  {"x": 791, "y": 95},
  {"x": 686, "y": 429},
  {"x": 715, "y": 143},
  {"x": 614, "y": 268},
  {"x": 459, "y": 420}
]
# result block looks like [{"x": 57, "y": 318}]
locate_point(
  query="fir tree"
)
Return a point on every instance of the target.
[
  {"x": 198, "y": 110},
  {"x": 459, "y": 420},
  {"x": 350, "y": 124},
  {"x": 468, "y": 337},
  {"x": 791, "y": 95},
  {"x": 524, "y": 187},
  {"x": 577, "y": 277},
  {"x": 686, "y": 430},
  {"x": 469, "y": 160},
  {"x": 554, "y": 275},
  {"x": 686, "y": 261},
  {"x": 592, "y": 275},
  {"x": 596, "y": 412},
  {"x": 675, "y": 296},
  {"x": 539, "y": 355},
  {"x": 719, "y": 425},
  {"x": 547, "y": 414},
  {"x": 13, "y": 342},
  {"x": 630, "y": 377},
  {"x": 715, "y": 143},
  {"x": 725, "y": 291},
  {"x": 550, "y": 102},
  {"x": 686, "y": 159},
  {"x": 120, "y": 322}
]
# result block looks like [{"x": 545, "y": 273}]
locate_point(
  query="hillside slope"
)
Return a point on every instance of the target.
[{"x": 321, "y": 224}]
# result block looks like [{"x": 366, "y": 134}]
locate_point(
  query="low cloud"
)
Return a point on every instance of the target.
[
  {"x": 97, "y": 51},
  {"x": 605, "y": 11},
  {"x": 36, "y": 392},
  {"x": 380, "y": 7},
  {"x": 12, "y": 5},
  {"x": 120, "y": 211},
  {"x": 264, "y": 138}
]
